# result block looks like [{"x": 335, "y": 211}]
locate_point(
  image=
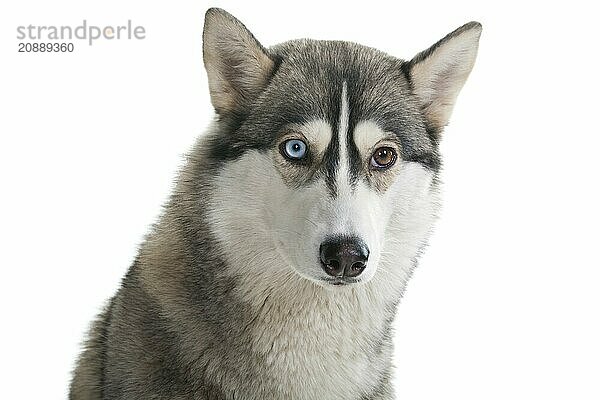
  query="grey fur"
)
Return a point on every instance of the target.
[{"x": 177, "y": 327}]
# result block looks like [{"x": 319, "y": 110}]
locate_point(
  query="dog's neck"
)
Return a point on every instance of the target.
[{"x": 318, "y": 342}]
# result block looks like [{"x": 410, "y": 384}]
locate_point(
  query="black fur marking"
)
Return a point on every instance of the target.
[{"x": 330, "y": 164}]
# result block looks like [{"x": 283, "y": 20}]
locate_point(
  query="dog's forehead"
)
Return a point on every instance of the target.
[
  {"x": 308, "y": 85},
  {"x": 313, "y": 79},
  {"x": 312, "y": 73}
]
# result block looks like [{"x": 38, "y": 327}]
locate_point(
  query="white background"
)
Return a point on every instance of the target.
[{"x": 506, "y": 301}]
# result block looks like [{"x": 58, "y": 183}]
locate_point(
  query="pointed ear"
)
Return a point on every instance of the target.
[
  {"x": 438, "y": 73},
  {"x": 238, "y": 66}
]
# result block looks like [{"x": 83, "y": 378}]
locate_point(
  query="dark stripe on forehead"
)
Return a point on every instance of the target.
[
  {"x": 330, "y": 164},
  {"x": 332, "y": 159},
  {"x": 332, "y": 154},
  {"x": 354, "y": 160},
  {"x": 353, "y": 93}
]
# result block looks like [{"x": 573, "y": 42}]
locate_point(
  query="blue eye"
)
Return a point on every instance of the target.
[{"x": 294, "y": 149}]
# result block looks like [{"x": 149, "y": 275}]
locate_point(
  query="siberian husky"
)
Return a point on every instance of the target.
[{"x": 276, "y": 267}]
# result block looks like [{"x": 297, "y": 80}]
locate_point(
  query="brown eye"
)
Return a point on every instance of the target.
[{"x": 383, "y": 157}]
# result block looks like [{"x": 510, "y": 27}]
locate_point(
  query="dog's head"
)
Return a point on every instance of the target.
[{"x": 327, "y": 150}]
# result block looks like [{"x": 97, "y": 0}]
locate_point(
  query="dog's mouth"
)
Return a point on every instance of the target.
[{"x": 340, "y": 281}]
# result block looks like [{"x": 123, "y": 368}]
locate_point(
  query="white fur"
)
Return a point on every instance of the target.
[
  {"x": 315, "y": 338},
  {"x": 366, "y": 135},
  {"x": 343, "y": 172},
  {"x": 318, "y": 134}
]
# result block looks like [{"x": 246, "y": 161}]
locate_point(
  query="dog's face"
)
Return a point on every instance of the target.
[{"x": 330, "y": 151}]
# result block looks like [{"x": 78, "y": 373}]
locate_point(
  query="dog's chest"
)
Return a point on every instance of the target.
[{"x": 328, "y": 351}]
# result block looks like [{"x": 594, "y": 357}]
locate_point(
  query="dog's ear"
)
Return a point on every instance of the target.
[
  {"x": 238, "y": 66},
  {"x": 438, "y": 74}
]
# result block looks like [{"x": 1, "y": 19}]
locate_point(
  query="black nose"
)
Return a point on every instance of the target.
[{"x": 344, "y": 256}]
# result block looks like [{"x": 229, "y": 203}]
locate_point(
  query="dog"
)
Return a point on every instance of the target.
[{"x": 275, "y": 270}]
